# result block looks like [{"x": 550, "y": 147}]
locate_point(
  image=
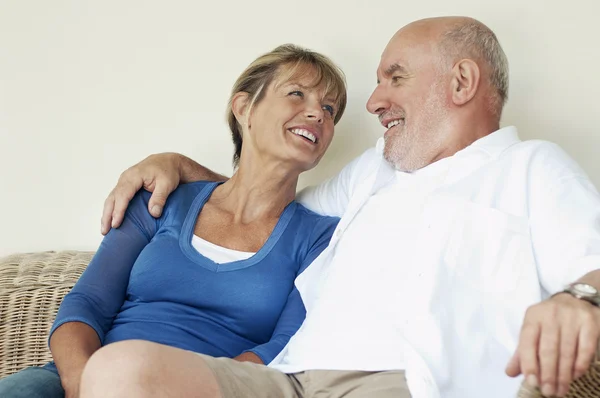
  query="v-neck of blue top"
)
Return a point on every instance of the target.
[{"x": 187, "y": 231}]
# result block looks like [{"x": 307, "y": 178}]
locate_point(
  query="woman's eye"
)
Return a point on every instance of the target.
[
  {"x": 329, "y": 109},
  {"x": 297, "y": 93}
]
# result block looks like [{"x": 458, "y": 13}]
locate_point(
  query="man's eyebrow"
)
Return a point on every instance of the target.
[{"x": 393, "y": 68}]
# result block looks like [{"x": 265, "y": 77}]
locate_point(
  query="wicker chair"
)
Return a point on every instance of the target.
[
  {"x": 587, "y": 386},
  {"x": 32, "y": 287}
]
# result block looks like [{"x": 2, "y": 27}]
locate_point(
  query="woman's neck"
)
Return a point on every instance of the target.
[{"x": 257, "y": 191}]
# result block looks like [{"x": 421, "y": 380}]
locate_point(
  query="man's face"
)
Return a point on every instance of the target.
[{"x": 411, "y": 100}]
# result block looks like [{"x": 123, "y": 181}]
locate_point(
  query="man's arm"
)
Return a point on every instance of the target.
[
  {"x": 159, "y": 174},
  {"x": 331, "y": 197},
  {"x": 560, "y": 335},
  {"x": 162, "y": 173},
  {"x": 558, "y": 342}
]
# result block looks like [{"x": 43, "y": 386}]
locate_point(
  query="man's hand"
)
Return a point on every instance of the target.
[
  {"x": 558, "y": 341},
  {"x": 159, "y": 174}
]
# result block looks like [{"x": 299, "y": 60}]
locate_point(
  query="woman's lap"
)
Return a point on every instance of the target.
[{"x": 33, "y": 382}]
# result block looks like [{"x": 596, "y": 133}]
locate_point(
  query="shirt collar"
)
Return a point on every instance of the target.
[
  {"x": 495, "y": 143},
  {"x": 461, "y": 163},
  {"x": 492, "y": 144}
]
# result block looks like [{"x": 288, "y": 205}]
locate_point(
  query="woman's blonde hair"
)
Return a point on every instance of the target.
[{"x": 298, "y": 62}]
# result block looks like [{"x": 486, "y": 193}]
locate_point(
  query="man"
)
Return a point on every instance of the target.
[{"x": 454, "y": 236}]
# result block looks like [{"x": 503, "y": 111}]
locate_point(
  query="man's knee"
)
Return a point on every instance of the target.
[{"x": 120, "y": 369}]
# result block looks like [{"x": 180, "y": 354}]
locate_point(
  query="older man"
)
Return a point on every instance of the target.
[{"x": 455, "y": 243}]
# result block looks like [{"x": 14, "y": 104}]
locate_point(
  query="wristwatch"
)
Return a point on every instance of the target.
[{"x": 585, "y": 292}]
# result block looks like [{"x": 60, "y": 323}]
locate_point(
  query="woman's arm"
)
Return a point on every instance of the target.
[
  {"x": 294, "y": 312},
  {"x": 289, "y": 322},
  {"x": 72, "y": 344},
  {"x": 87, "y": 312}
]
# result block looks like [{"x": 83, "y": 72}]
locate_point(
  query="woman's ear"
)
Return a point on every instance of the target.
[
  {"x": 465, "y": 81},
  {"x": 239, "y": 106}
]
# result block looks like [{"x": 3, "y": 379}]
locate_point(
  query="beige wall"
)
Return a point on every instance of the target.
[{"x": 88, "y": 88}]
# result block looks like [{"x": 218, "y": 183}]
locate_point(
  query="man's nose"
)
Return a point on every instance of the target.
[{"x": 378, "y": 102}]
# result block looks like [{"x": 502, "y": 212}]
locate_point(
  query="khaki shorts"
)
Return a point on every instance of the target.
[{"x": 249, "y": 380}]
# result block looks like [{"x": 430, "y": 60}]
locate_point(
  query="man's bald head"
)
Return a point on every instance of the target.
[{"x": 459, "y": 38}]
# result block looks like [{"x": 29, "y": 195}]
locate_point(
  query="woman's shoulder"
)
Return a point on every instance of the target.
[
  {"x": 306, "y": 213},
  {"x": 180, "y": 200},
  {"x": 319, "y": 224},
  {"x": 188, "y": 191}
]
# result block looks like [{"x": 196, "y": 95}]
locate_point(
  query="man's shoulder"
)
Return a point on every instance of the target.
[
  {"x": 371, "y": 156},
  {"x": 362, "y": 166},
  {"x": 543, "y": 157}
]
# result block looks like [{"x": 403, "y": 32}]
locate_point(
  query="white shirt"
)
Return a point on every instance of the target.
[
  {"x": 216, "y": 253},
  {"x": 508, "y": 223}
]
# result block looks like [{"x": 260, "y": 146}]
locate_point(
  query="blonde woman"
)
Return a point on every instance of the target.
[{"x": 215, "y": 273}]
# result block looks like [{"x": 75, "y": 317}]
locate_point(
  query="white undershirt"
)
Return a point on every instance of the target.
[
  {"x": 218, "y": 254},
  {"x": 367, "y": 327}
]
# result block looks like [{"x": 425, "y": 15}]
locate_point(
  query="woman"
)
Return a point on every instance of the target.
[{"x": 215, "y": 273}]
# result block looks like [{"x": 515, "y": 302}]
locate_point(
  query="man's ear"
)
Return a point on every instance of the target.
[
  {"x": 465, "y": 81},
  {"x": 239, "y": 106}
]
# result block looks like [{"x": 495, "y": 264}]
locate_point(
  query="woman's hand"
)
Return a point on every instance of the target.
[
  {"x": 72, "y": 388},
  {"x": 249, "y": 357}
]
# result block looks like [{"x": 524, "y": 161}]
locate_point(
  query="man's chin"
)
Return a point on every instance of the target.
[
  {"x": 393, "y": 159},
  {"x": 401, "y": 163}
]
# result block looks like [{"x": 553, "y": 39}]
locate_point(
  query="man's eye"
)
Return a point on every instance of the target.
[
  {"x": 396, "y": 79},
  {"x": 329, "y": 109},
  {"x": 297, "y": 93}
]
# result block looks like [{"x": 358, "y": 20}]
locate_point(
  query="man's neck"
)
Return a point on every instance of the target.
[{"x": 467, "y": 130}]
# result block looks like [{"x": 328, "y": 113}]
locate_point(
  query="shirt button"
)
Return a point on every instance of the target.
[
  {"x": 339, "y": 233},
  {"x": 428, "y": 382}
]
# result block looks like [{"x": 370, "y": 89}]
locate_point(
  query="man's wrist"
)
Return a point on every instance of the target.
[
  {"x": 581, "y": 291},
  {"x": 562, "y": 295}
]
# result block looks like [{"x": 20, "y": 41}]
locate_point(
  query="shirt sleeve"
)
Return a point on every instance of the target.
[
  {"x": 293, "y": 313},
  {"x": 331, "y": 197},
  {"x": 99, "y": 294},
  {"x": 565, "y": 225}
]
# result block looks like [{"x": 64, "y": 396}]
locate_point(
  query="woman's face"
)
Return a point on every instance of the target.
[{"x": 294, "y": 122}]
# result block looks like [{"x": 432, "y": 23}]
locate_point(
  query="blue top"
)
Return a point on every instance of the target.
[{"x": 146, "y": 281}]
